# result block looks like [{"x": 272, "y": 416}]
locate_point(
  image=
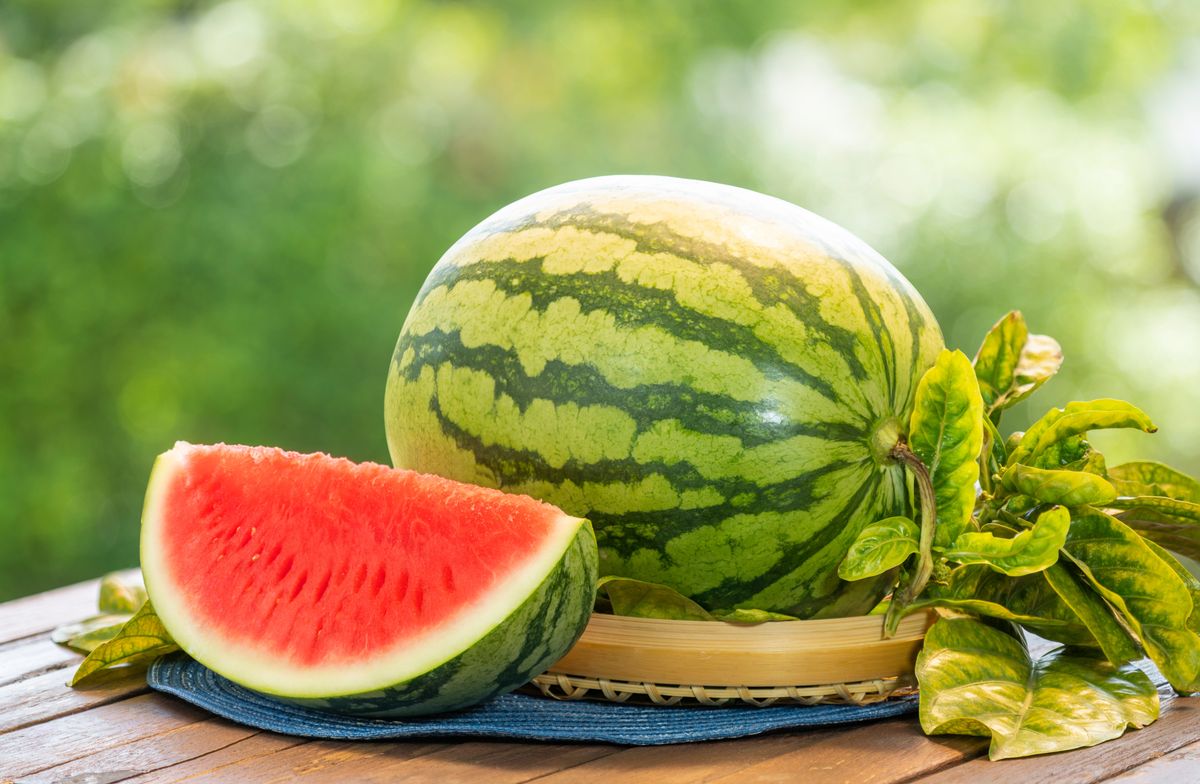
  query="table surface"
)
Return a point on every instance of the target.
[{"x": 122, "y": 731}]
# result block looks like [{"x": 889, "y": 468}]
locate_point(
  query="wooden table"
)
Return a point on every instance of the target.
[{"x": 124, "y": 732}]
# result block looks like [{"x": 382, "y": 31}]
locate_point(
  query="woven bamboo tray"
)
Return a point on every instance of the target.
[{"x": 839, "y": 660}]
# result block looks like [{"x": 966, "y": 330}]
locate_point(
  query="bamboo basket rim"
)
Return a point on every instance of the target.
[{"x": 672, "y": 662}]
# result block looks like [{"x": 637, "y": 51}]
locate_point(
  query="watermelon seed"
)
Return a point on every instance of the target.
[
  {"x": 275, "y": 551},
  {"x": 360, "y": 577},
  {"x": 287, "y": 568},
  {"x": 323, "y": 586},
  {"x": 377, "y": 581},
  {"x": 299, "y": 586}
]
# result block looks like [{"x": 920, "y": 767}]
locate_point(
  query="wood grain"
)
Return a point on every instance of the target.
[
  {"x": 465, "y": 762},
  {"x": 205, "y": 744},
  {"x": 44, "y": 697},
  {"x": 1180, "y": 765},
  {"x": 32, "y": 749},
  {"x": 43, "y": 611},
  {"x": 171, "y": 765},
  {"x": 886, "y": 751},
  {"x": 31, "y": 656}
]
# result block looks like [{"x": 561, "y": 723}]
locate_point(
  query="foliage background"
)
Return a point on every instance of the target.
[{"x": 213, "y": 217}]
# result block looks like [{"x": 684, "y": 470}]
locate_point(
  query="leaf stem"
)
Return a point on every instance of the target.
[{"x": 902, "y": 453}]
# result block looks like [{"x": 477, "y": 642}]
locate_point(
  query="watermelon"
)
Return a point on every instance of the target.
[
  {"x": 359, "y": 588},
  {"x": 713, "y": 377}
]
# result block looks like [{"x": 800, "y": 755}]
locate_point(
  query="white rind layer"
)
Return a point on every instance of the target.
[{"x": 269, "y": 671}]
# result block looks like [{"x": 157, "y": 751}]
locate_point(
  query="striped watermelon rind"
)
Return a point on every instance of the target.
[
  {"x": 713, "y": 377},
  {"x": 529, "y": 619}
]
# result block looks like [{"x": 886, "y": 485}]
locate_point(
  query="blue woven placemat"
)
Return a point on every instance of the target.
[{"x": 516, "y": 716}]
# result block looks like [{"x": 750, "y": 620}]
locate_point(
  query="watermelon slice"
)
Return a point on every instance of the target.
[{"x": 356, "y": 587}]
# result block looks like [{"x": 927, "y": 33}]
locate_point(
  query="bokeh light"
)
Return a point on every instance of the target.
[{"x": 214, "y": 216}]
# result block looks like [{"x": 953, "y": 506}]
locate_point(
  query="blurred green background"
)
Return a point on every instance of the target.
[{"x": 213, "y": 217}]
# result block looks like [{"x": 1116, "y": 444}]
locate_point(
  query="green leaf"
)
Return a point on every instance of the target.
[
  {"x": 976, "y": 680},
  {"x": 982, "y": 591},
  {"x": 1148, "y": 478},
  {"x": 650, "y": 600},
  {"x": 1062, "y": 454},
  {"x": 122, "y": 592},
  {"x": 880, "y": 546},
  {"x": 90, "y": 641},
  {"x": 1029, "y": 551},
  {"x": 996, "y": 361},
  {"x": 1153, "y": 600},
  {"x": 946, "y": 432},
  {"x": 1074, "y": 419},
  {"x": 1189, "y": 579},
  {"x": 1171, "y": 523},
  {"x": 86, "y": 631},
  {"x": 1011, "y": 364},
  {"x": 1094, "y": 613},
  {"x": 139, "y": 642},
  {"x": 751, "y": 616},
  {"x": 1069, "y": 488},
  {"x": 639, "y": 599}
]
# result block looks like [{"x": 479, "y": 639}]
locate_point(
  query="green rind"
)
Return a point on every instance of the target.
[
  {"x": 537, "y": 634},
  {"x": 709, "y": 399}
]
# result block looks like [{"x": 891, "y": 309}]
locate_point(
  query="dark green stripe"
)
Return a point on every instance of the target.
[
  {"x": 880, "y": 328},
  {"x": 791, "y": 555},
  {"x": 635, "y": 306},
  {"x": 559, "y": 382},
  {"x": 770, "y": 285},
  {"x": 513, "y": 467}
]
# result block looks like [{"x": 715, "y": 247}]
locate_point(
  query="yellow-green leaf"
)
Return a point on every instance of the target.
[
  {"x": 650, "y": 600},
  {"x": 1172, "y": 523},
  {"x": 1145, "y": 477},
  {"x": 1189, "y": 579},
  {"x": 1094, "y": 613},
  {"x": 976, "y": 680},
  {"x": 1074, "y": 419},
  {"x": 748, "y": 616},
  {"x": 80, "y": 635},
  {"x": 1153, "y": 600},
  {"x": 1069, "y": 488},
  {"x": 122, "y": 592},
  {"x": 946, "y": 432},
  {"x": 141, "y": 640},
  {"x": 881, "y": 546},
  {"x": 1011, "y": 363},
  {"x": 996, "y": 361},
  {"x": 977, "y": 589},
  {"x": 1030, "y": 551}
]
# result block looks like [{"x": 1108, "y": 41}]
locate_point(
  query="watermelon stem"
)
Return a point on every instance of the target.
[{"x": 905, "y": 595}]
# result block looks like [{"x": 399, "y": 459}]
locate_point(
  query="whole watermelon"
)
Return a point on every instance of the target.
[{"x": 712, "y": 376}]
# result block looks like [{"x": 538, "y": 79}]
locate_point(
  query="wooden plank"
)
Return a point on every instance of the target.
[
  {"x": 1178, "y": 726},
  {"x": 1180, "y": 765},
  {"x": 311, "y": 761},
  {"x": 258, "y": 744},
  {"x": 885, "y": 751},
  {"x": 43, "y": 611},
  {"x": 891, "y": 751},
  {"x": 33, "y": 655},
  {"x": 32, "y": 749},
  {"x": 192, "y": 748},
  {"x": 47, "y": 696}
]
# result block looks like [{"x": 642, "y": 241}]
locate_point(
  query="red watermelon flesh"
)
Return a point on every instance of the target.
[{"x": 309, "y": 575}]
